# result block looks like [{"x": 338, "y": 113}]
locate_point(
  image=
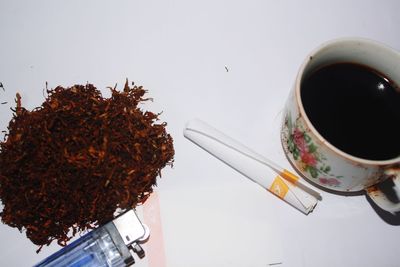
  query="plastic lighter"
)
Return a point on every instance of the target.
[{"x": 107, "y": 246}]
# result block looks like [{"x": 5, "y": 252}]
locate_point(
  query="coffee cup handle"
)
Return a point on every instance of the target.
[{"x": 380, "y": 198}]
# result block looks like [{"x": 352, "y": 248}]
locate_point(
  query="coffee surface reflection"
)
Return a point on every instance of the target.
[{"x": 355, "y": 108}]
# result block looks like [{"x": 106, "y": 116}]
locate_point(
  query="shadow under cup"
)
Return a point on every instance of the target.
[{"x": 338, "y": 135}]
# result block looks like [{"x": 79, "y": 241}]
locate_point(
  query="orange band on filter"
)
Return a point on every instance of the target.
[
  {"x": 154, "y": 247},
  {"x": 278, "y": 187},
  {"x": 289, "y": 176}
]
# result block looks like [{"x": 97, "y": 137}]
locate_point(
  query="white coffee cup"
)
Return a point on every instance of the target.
[{"x": 316, "y": 158}]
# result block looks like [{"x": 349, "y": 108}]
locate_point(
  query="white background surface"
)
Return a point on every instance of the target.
[{"x": 178, "y": 50}]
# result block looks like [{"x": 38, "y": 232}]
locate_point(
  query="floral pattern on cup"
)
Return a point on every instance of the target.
[{"x": 305, "y": 153}]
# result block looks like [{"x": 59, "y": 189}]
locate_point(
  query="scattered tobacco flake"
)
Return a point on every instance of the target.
[
  {"x": 2, "y": 86},
  {"x": 70, "y": 163}
]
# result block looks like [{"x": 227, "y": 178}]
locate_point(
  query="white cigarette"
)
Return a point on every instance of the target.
[{"x": 257, "y": 168}]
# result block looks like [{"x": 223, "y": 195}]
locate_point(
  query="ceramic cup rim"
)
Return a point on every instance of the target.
[{"x": 303, "y": 114}]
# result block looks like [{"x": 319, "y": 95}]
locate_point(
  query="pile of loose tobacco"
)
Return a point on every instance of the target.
[{"x": 70, "y": 163}]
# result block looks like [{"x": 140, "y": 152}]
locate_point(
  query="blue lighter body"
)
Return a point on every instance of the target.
[{"x": 108, "y": 246}]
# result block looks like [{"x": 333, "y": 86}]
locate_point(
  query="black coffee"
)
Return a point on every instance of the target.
[{"x": 355, "y": 108}]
